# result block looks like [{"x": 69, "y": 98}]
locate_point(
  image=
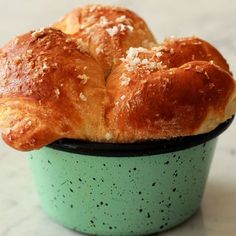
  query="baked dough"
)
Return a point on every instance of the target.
[{"x": 105, "y": 79}]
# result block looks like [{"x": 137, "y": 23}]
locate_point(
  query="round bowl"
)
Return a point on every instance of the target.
[{"x": 124, "y": 189}]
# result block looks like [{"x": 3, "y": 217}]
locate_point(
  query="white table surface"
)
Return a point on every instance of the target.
[{"x": 213, "y": 20}]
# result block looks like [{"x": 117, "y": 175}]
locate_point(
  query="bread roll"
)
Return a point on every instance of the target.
[{"x": 57, "y": 85}]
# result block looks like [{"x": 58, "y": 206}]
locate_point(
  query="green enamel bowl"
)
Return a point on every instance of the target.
[{"x": 124, "y": 189}]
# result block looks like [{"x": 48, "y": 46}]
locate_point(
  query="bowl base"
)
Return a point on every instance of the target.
[{"x": 110, "y": 233}]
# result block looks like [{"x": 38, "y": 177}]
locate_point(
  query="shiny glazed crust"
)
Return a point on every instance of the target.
[
  {"x": 57, "y": 85},
  {"x": 49, "y": 87},
  {"x": 107, "y": 31}
]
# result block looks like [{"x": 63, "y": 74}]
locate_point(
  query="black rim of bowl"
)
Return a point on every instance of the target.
[{"x": 138, "y": 148}]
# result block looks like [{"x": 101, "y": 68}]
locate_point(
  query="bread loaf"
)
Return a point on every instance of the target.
[{"x": 99, "y": 75}]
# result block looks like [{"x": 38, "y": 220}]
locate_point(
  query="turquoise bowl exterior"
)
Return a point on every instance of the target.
[{"x": 108, "y": 195}]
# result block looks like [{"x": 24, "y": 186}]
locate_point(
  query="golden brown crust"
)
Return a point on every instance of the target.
[
  {"x": 108, "y": 31},
  {"x": 53, "y": 85},
  {"x": 182, "y": 87},
  {"x": 168, "y": 103},
  {"x": 175, "y": 52}
]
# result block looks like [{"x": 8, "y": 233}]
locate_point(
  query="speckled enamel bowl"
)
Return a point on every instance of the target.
[{"x": 124, "y": 189}]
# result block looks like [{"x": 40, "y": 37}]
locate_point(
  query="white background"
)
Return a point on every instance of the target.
[{"x": 213, "y": 20}]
